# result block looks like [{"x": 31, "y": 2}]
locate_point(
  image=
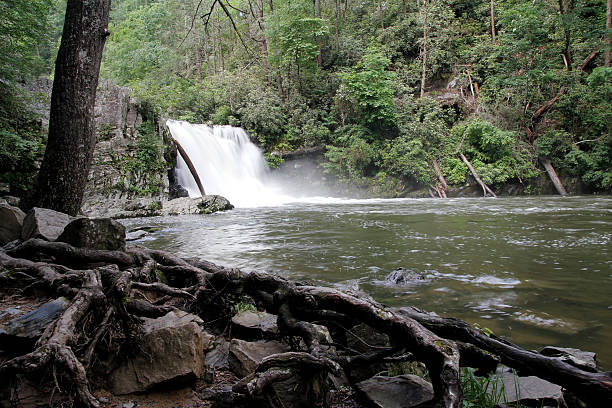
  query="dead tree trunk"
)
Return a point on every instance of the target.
[
  {"x": 608, "y": 33},
  {"x": 485, "y": 189},
  {"x": 493, "y": 21},
  {"x": 62, "y": 178},
  {"x": 553, "y": 176},
  {"x": 425, "y": 39},
  {"x": 190, "y": 165}
]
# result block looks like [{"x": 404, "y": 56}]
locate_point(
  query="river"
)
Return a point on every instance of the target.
[{"x": 535, "y": 270}]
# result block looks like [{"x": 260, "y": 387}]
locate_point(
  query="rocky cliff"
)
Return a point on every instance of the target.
[{"x": 133, "y": 157}]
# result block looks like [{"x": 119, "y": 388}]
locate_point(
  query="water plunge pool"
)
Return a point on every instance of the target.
[{"x": 536, "y": 270}]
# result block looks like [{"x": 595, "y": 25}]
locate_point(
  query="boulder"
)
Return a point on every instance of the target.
[
  {"x": 98, "y": 233},
  {"x": 214, "y": 203},
  {"x": 44, "y": 223},
  {"x": 244, "y": 356},
  {"x": 171, "y": 353},
  {"x": 513, "y": 390},
  {"x": 11, "y": 222},
  {"x": 404, "y": 277},
  {"x": 584, "y": 360},
  {"x": 250, "y": 325},
  {"x": 403, "y": 391},
  {"x": 135, "y": 235},
  {"x": 23, "y": 331},
  {"x": 196, "y": 205}
]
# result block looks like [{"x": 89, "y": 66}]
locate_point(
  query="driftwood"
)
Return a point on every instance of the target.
[
  {"x": 552, "y": 174},
  {"x": 485, "y": 189},
  {"x": 110, "y": 290}
]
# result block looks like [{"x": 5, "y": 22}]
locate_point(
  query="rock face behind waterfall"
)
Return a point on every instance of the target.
[{"x": 126, "y": 130}]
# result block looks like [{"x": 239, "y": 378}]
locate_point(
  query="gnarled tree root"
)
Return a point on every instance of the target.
[{"x": 111, "y": 289}]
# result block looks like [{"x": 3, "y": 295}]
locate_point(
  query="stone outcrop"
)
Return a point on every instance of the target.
[
  {"x": 172, "y": 352},
  {"x": 25, "y": 330},
  {"x": 402, "y": 391},
  {"x": 44, "y": 223},
  {"x": 405, "y": 277},
  {"x": 98, "y": 233},
  {"x": 11, "y": 223}
]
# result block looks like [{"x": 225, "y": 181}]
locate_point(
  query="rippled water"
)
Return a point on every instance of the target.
[{"x": 535, "y": 270}]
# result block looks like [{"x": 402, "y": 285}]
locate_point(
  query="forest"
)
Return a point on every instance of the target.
[{"x": 400, "y": 93}]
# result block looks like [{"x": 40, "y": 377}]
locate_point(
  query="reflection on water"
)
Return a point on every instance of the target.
[{"x": 535, "y": 270}]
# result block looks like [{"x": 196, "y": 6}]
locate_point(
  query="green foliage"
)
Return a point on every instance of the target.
[
  {"x": 366, "y": 92},
  {"x": 498, "y": 156},
  {"x": 295, "y": 36},
  {"x": 355, "y": 158},
  {"x": 24, "y": 37},
  {"x": 21, "y": 141},
  {"x": 480, "y": 392}
]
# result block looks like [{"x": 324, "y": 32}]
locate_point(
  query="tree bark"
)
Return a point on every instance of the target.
[
  {"x": 608, "y": 33},
  {"x": 63, "y": 173},
  {"x": 553, "y": 176},
  {"x": 493, "y": 21},
  {"x": 485, "y": 189},
  {"x": 425, "y": 35}
]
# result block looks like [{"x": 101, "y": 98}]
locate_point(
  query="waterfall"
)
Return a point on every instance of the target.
[{"x": 228, "y": 164}]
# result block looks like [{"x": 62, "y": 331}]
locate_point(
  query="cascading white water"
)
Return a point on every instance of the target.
[{"x": 228, "y": 164}]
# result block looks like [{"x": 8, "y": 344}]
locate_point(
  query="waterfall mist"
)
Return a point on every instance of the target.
[{"x": 229, "y": 164}]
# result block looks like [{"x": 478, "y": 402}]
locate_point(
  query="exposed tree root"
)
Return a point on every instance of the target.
[{"x": 111, "y": 290}]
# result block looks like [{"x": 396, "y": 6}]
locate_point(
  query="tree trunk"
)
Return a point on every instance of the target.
[
  {"x": 564, "y": 9},
  {"x": 190, "y": 165},
  {"x": 608, "y": 33},
  {"x": 425, "y": 34},
  {"x": 493, "y": 21},
  {"x": 439, "y": 173},
  {"x": 63, "y": 173},
  {"x": 485, "y": 188},
  {"x": 553, "y": 176}
]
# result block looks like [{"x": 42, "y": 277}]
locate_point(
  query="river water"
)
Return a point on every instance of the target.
[{"x": 535, "y": 270}]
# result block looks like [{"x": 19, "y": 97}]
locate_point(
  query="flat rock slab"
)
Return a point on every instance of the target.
[
  {"x": 245, "y": 356},
  {"x": 44, "y": 223},
  {"x": 172, "y": 353},
  {"x": 11, "y": 223},
  {"x": 25, "y": 330},
  {"x": 250, "y": 325},
  {"x": 402, "y": 391},
  {"x": 510, "y": 389}
]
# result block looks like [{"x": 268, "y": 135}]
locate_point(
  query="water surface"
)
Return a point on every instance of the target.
[{"x": 536, "y": 270}]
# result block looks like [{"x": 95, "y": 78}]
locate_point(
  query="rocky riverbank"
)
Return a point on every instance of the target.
[{"x": 86, "y": 320}]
